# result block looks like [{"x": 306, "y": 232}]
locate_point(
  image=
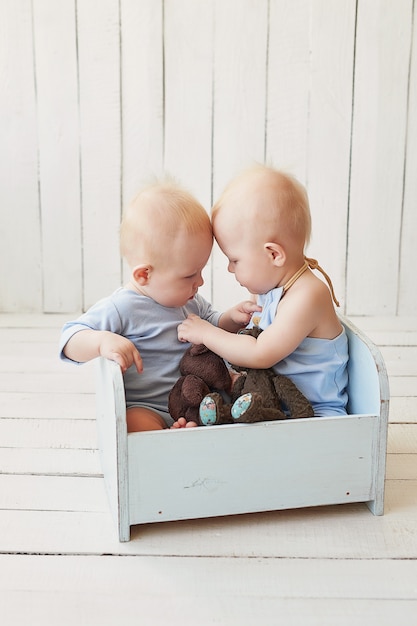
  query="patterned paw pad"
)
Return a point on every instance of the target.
[
  {"x": 241, "y": 405},
  {"x": 208, "y": 411}
]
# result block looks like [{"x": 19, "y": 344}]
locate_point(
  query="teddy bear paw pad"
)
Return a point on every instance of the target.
[
  {"x": 242, "y": 404},
  {"x": 208, "y": 411}
]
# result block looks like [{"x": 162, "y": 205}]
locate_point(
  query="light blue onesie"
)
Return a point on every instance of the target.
[
  {"x": 153, "y": 330},
  {"x": 318, "y": 367}
]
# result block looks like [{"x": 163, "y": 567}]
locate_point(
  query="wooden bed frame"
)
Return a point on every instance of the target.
[{"x": 241, "y": 468}]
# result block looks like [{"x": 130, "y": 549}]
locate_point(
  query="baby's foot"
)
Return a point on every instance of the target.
[{"x": 182, "y": 423}]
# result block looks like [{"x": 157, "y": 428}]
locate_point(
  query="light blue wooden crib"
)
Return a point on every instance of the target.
[{"x": 243, "y": 468}]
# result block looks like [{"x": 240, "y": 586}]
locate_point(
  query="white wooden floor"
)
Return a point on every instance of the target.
[{"x": 61, "y": 562}]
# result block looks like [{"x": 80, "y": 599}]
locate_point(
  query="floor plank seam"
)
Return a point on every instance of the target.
[{"x": 235, "y": 557}]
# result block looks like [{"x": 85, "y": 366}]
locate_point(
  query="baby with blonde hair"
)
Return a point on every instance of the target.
[
  {"x": 262, "y": 224},
  {"x": 166, "y": 238},
  {"x": 164, "y": 203}
]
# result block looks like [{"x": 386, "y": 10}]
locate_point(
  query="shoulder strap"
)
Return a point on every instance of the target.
[{"x": 313, "y": 264}]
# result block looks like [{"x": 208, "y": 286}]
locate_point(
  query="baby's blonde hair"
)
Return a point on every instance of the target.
[
  {"x": 155, "y": 216},
  {"x": 275, "y": 201}
]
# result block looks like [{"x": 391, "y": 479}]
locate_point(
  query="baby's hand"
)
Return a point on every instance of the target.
[
  {"x": 121, "y": 350},
  {"x": 192, "y": 329},
  {"x": 241, "y": 313}
]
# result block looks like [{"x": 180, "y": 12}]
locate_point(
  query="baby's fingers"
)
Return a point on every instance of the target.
[
  {"x": 119, "y": 359},
  {"x": 137, "y": 359},
  {"x": 125, "y": 361},
  {"x": 251, "y": 307}
]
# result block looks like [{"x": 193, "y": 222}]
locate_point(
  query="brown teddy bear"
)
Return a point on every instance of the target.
[
  {"x": 202, "y": 372},
  {"x": 257, "y": 395}
]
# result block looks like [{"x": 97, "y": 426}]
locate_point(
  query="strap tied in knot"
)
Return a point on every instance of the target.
[{"x": 313, "y": 265}]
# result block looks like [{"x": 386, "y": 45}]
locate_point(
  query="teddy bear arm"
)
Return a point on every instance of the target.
[
  {"x": 175, "y": 404},
  {"x": 185, "y": 397},
  {"x": 193, "y": 390},
  {"x": 289, "y": 395},
  {"x": 260, "y": 381}
]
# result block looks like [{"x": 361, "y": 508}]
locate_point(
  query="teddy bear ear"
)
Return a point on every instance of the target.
[{"x": 197, "y": 349}]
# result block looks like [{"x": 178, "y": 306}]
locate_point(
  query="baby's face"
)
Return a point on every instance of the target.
[
  {"x": 178, "y": 278},
  {"x": 248, "y": 258}
]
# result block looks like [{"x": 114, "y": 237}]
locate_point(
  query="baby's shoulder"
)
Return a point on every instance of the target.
[
  {"x": 316, "y": 288},
  {"x": 308, "y": 289}
]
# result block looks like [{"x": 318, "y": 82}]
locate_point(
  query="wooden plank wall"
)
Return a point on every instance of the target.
[{"x": 97, "y": 95}]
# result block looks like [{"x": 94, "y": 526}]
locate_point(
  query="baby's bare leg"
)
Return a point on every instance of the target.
[{"x": 139, "y": 419}]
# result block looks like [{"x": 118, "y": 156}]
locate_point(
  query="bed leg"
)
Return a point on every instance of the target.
[{"x": 113, "y": 445}]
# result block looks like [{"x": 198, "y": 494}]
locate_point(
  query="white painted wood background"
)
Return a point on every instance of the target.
[{"x": 96, "y": 95}]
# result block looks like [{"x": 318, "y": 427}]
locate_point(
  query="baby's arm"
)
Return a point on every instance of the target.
[
  {"x": 296, "y": 318},
  {"x": 89, "y": 344}
]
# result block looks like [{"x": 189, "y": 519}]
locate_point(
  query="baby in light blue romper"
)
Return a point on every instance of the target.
[
  {"x": 262, "y": 224},
  {"x": 166, "y": 238}
]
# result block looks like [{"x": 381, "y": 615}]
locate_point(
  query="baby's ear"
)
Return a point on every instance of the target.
[
  {"x": 276, "y": 253},
  {"x": 141, "y": 274}
]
